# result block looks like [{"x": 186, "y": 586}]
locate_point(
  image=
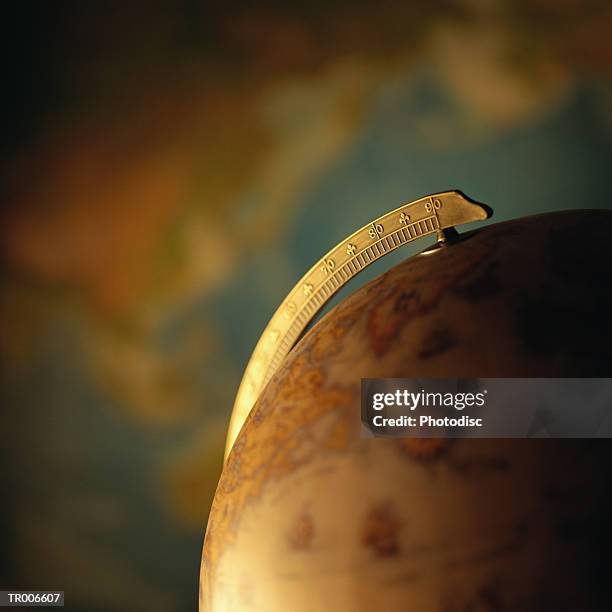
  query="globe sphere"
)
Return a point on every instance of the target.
[{"x": 309, "y": 516}]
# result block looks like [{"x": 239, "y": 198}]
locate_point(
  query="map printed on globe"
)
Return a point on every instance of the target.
[{"x": 308, "y": 515}]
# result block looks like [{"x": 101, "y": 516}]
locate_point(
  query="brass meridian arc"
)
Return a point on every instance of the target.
[{"x": 429, "y": 215}]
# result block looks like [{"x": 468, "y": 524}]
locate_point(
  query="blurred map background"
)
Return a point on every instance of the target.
[{"x": 171, "y": 169}]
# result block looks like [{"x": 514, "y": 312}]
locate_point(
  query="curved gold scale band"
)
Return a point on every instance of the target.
[{"x": 428, "y": 215}]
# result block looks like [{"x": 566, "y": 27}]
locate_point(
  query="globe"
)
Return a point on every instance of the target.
[{"x": 309, "y": 516}]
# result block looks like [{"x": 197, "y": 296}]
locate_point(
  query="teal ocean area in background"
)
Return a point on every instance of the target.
[{"x": 559, "y": 161}]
